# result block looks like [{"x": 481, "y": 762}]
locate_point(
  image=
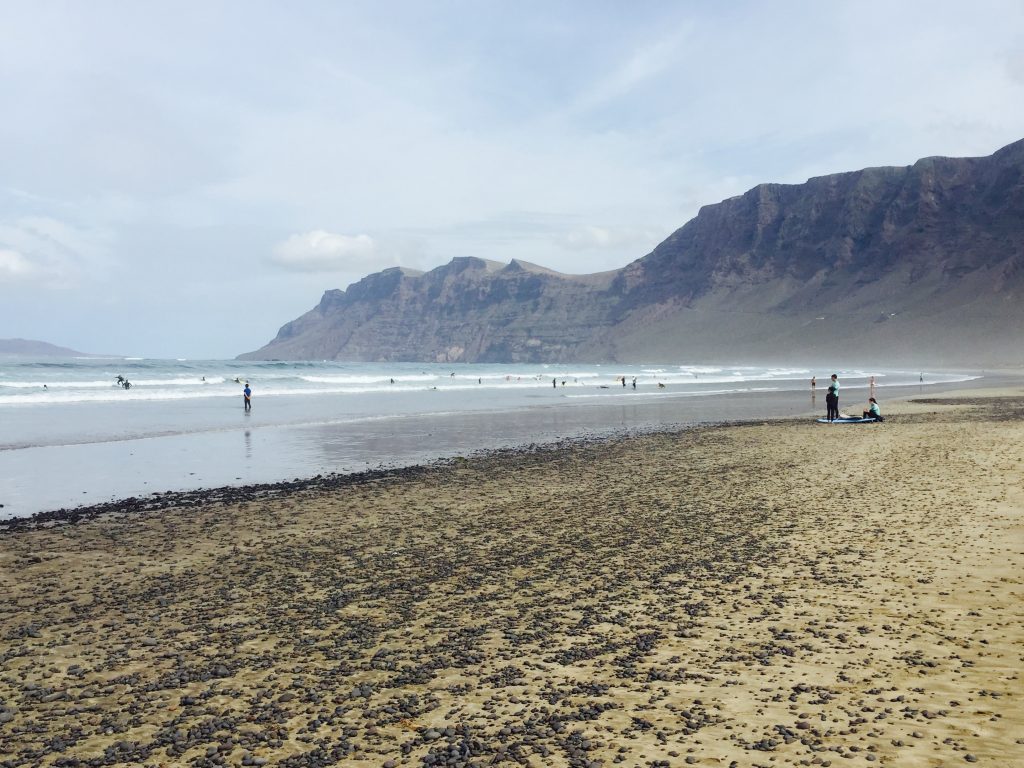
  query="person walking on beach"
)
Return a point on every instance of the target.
[{"x": 247, "y": 397}]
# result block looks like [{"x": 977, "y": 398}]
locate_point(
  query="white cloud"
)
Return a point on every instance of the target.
[
  {"x": 52, "y": 253},
  {"x": 629, "y": 241},
  {"x": 647, "y": 62},
  {"x": 589, "y": 237},
  {"x": 14, "y": 266},
  {"x": 320, "y": 251}
]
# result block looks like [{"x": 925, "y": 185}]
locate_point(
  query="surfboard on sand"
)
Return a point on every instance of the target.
[{"x": 848, "y": 420}]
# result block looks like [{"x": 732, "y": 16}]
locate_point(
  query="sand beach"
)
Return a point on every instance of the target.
[{"x": 758, "y": 594}]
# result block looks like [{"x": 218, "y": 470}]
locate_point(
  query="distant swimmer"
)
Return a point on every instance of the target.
[
  {"x": 237, "y": 380},
  {"x": 554, "y": 383},
  {"x": 392, "y": 381},
  {"x": 247, "y": 397},
  {"x": 204, "y": 379},
  {"x": 660, "y": 385},
  {"x": 814, "y": 382},
  {"x": 634, "y": 382},
  {"x": 120, "y": 381},
  {"x": 44, "y": 386},
  {"x": 623, "y": 382}
]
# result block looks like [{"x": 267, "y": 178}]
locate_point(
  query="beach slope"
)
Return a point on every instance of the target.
[{"x": 762, "y": 594}]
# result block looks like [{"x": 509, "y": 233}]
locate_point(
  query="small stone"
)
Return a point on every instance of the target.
[{"x": 970, "y": 758}]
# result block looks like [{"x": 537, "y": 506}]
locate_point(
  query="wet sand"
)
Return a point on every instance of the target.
[{"x": 755, "y": 595}]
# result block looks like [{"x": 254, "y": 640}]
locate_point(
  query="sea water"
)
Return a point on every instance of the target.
[{"x": 71, "y": 435}]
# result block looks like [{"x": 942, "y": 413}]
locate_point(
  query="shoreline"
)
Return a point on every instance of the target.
[
  {"x": 232, "y": 494},
  {"x": 769, "y": 593},
  {"x": 249, "y": 492}
]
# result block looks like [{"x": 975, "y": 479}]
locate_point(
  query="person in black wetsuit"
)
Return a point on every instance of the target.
[{"x": 832, "y": 399}]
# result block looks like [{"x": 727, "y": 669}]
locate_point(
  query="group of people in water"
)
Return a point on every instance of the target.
[{"x": 832, "y": 400}]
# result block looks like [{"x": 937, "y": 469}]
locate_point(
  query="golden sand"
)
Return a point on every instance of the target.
[{"x": 755, "y": 595}]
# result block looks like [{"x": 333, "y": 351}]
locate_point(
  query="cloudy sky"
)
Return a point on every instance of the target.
[{"x": 178, "y": 179}]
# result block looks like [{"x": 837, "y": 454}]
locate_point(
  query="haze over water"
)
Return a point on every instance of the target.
[{"x": 69, "y": 435}]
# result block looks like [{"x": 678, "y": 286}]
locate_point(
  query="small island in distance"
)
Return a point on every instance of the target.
[{"x": 34, "y": 348}]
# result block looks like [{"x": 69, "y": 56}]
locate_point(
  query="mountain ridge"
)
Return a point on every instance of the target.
[{"x": 915, "y": 263}]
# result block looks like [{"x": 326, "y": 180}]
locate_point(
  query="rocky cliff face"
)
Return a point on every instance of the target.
[
  {"x": 469, "y": 309},
  {"x": 920, "y": 263}
]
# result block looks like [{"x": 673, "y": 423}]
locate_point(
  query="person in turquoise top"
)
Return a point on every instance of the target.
[
  {"x": 873, "y": 412},
  {"x": 832, "y": 399}
]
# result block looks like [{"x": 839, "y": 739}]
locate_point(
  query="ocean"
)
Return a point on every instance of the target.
[{"x": 70, "y": 435}]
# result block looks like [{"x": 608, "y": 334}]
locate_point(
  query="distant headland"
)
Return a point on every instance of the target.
[{"x": 33, "y": 348}]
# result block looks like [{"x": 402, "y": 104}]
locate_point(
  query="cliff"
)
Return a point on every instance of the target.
[{"x": 923, "y": 263}]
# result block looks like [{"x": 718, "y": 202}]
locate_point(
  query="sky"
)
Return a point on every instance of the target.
[{"x": 179, "y": 179}]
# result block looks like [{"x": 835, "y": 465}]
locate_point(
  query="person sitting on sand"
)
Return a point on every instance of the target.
[{"x": 873, "y": 411}]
